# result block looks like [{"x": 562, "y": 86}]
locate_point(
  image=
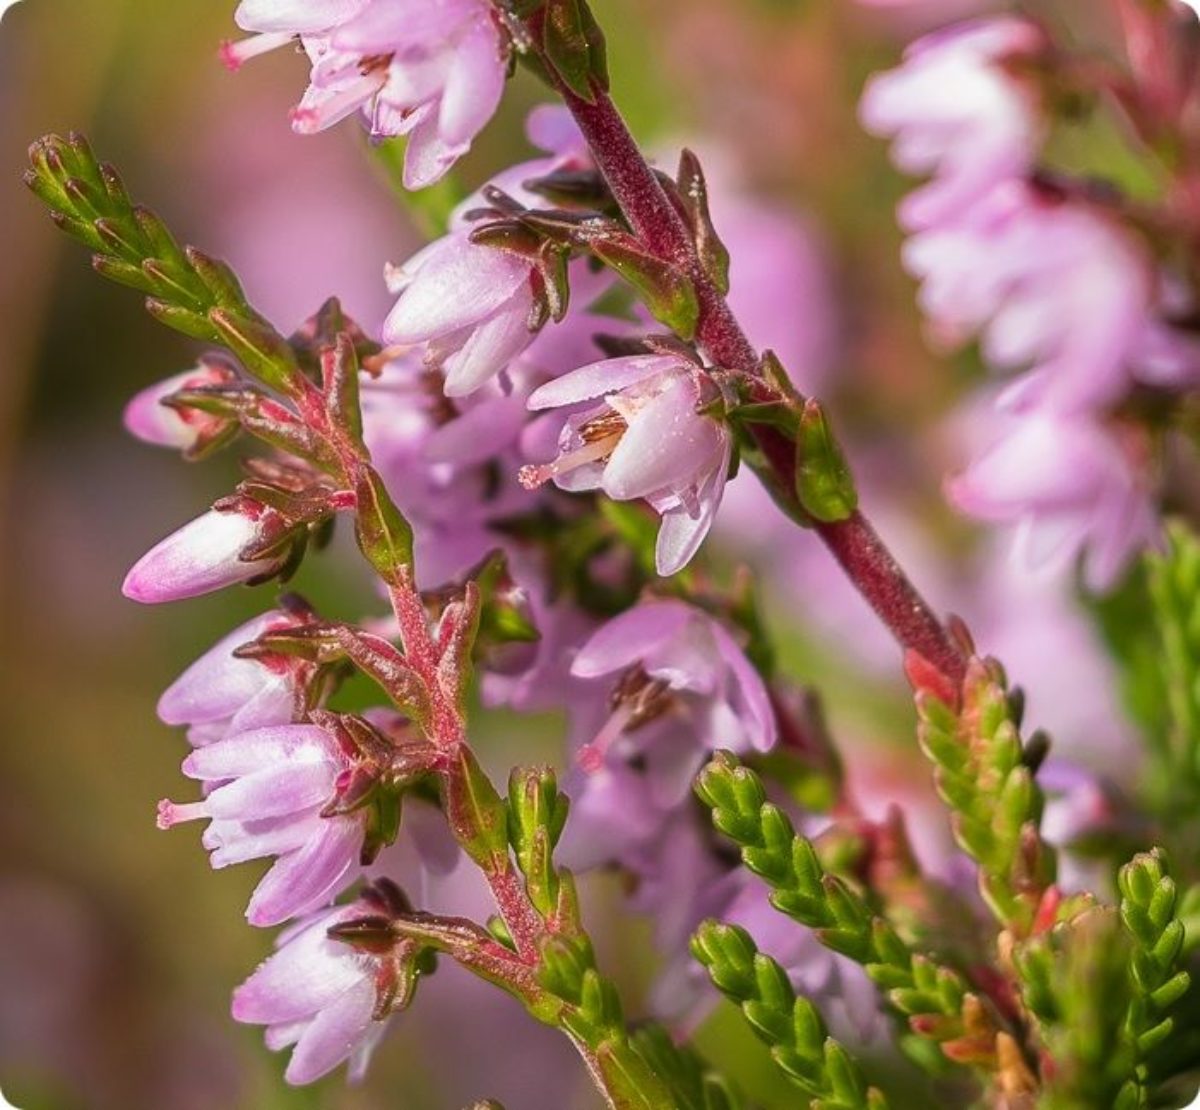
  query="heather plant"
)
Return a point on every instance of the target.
[{"x": 531, "y": 456}]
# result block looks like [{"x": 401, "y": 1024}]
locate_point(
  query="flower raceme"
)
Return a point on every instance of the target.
[
  {"x": 433, "y": 72},
  {"x": 266, "y": 792},
  {"x": 644, "y": 437}
]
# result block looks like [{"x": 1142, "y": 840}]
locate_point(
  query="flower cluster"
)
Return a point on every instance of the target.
[{"x": 1053, "y": 277}]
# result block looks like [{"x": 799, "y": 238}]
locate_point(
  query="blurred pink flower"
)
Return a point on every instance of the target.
[
  {"x": 1071, "y": 486},
  {"x": 1052, "y": 283},
  {"x": 646, "y": 439},
  {"x": 955, "y": 109}
]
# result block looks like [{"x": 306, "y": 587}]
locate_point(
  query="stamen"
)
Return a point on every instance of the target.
[
  {"x": 533, "y": 476},
  {"x": 234, "y": 55},
  {"x": 170, "y": 813},
  {"x": 308, "y": 121}
]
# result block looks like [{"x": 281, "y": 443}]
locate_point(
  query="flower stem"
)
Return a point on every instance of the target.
[{"x": 654, "y": 219}]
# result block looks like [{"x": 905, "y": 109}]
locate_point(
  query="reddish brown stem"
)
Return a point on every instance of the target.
[{"x": 655, "y": 220}]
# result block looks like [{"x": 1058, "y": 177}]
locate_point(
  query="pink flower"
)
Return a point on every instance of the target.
[
  {"x": 267, "y": 788},
  {"x": 471, "y": 304},
  {"x": 645, "y": 439},
  {"x": 318, "y": 994},
  {"x": 683, "y": 688},
  {"x": 150, "y": 420},
  {"x": 955, "y": 109},
  {"x": 473, "y": 307},
  {"x": 221, "y": 695},
  {"x": 1071, "y": 486},
  {"x": 202, "y": 556},
  {"x": 1053, "y": 284},
  {"x": 433, "y": 72}
]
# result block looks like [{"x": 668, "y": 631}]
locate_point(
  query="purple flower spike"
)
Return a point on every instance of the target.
[
  {"x": 645, "y": 439},
  {"x": 267, "y": 789},
  {"x": 683, "y": 689},
  {"x": 151, "y": 421},
  {"x": 220, "y": 695},
  {"x": 202, "y": 556},
  {"x": 433, "y": 72},
  {"x": 318, "y": 995},
  {"x": 989, "y": 130}
]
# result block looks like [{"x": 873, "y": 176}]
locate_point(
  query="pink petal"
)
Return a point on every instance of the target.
[
  {"x": 680, "y": 535},
  {"x": 458, "y": 284},
  {"x": 218, "y": 684},
  {"x": 491, "y": 346},
  {"x": 610, "y": 375},
  {"x": 310, "y": 877},
  {"x": 295, "y": 16},
  {"x": 306, "y": 974},
  {"x": 474, "y": 84},
  {"x": 333, "y": 1035},
  {"x": 263, "y": 748},
  {"x": 667, "y": 446},
  {"x": 275, "y": 792},
  {"x": 630, "y": 637}
]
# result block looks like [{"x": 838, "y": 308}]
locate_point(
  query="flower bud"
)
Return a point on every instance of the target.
[
  {"x": 152, "y": 420},
  {"x": 202, "y": 556}
]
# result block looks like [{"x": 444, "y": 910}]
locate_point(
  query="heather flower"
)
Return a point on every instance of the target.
[
  {"x": 1052, "y": 283},
  {"x": 1072, "y": 486},
  {"x": 683, "y": 688},
  {"x": 149, "y": 419},
  {"x": 471, "y": 304},
  {"x": 267, "y": 788},
  {"x": 432, "y": 72},
  {"x": 956, "y": 108},
  {"x": 317, "y": 995},
  {"x": 205, "y": 555},
  {"x": 221, "y": 695},
  {"x": 645, "y": 439},
  {"x": 474, "y": 307}
]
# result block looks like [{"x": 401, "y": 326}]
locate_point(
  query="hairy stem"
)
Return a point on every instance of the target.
[{"x": 654, "y": 219}]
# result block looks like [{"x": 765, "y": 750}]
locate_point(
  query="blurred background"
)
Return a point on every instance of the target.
[{"x": 118, "y": 946}]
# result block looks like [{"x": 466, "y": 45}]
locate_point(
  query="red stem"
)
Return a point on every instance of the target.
[{"x": 655, "y": 220}]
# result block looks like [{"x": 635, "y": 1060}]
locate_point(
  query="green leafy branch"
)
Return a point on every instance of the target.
[
  {"x": 186, "y": 289},
  {"x": 985, "y": 775},
  {"x": 790, "y": 1025},
  {"x": 1149, "y": 913},
  {"x": 935, "y": 999}
]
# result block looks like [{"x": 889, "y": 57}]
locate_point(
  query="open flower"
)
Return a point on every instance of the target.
[
  {"x": 1071, "y": 486},
  {"x": 646, "y": 438},
  {"x": 682, "y": 689},
  {"x": 474, "y": 307},
  {"x": 318, "y": 994},
  {"x": 220, "y": 694},
  {"x": 206, "y": 554},
  {"x": 957, "y": 109},
  {"x": 268, "y": 788},
  {"x": 433, "y": 72}
]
